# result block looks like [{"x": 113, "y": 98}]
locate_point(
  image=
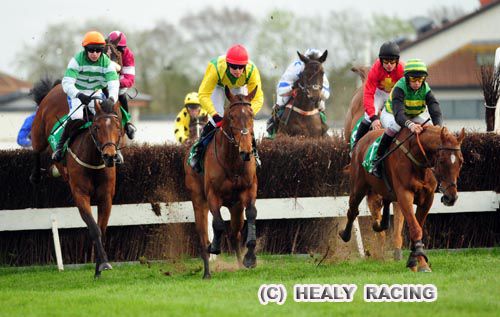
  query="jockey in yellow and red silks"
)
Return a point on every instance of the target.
[{"x": 235, "y": 71}]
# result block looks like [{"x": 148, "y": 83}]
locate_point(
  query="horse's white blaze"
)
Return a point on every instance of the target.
[{"x": 453, "y": 158}]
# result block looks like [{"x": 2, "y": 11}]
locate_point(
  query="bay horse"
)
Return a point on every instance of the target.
[
  {"x": 301, "y": 117},
  {"x": 229, "y": 180},
  {"x": 89, "y": 169},
  {"x": 355, "y": 111},
  {"x": 413, "y": 171}
]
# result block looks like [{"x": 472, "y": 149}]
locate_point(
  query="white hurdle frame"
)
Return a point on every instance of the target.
[{"x": 182, "y": 212}]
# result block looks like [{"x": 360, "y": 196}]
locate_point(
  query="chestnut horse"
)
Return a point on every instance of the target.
[
  {"x": 302, "y": 117},
  {"x": 354, "y": 113},
  {"x": 90, "y": 159},
  {"x": 413, "y": 171},
  {"x": 229, "y": 180}
]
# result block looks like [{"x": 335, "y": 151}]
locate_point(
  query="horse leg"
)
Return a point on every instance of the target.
[
  {"x": 418, "y": 248},
  {"x": 35, "y": 176},
  {"x": 237, "y": 222},
  {"x": 103, "y": 213},
  {"x": 201, "y": 220},
  {"x": 82, "y": 201},
  {"x": 397, "y": 232},
  {"x": 374, "y": 203},
  {"x": 405, "y": 199},
  {"x": 250, "y": 260},
  {"x": 214, "y": 203},
  {"x": 355, "y": 199}
]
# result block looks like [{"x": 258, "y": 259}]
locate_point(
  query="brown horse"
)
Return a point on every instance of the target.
[
  {"x": 229, "y": 180},
  {"x": 354, "y": 113},
  {"x": 413, "y": 171},
  {"x": 90, "y": 158},
  {"x": 301, "y": 117}
]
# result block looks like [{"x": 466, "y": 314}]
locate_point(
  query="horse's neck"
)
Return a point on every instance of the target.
[
  {"x": 227, "y": 152},
  {"x": 83, "y": 146},
  {"x": 304, "y": 103}
]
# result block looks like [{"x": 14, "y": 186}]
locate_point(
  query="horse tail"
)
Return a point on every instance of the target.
[
  {"x": 362, "y": 71},
  {"x": 42, "y": 87}
]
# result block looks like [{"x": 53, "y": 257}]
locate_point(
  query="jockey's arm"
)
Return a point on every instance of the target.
[
  {"x": 69, "y": 80},
  {"x": 113, "y": 84},
  {"x": 289, "y": 77},
  {"x": 182, "y": 126},
  {"x": 369, "y": 94},
  {"x": 253, "y": 82},
  {"x": 398, "y": 107},
  {"x": 325, "y": 92},
  {"x": 207, "y": 86},
  {"x": 127, "y": 75},
  {"x": 434, "y": 109}
]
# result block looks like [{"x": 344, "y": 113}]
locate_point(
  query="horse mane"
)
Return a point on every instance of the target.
[{"x": 42, "y": 87}]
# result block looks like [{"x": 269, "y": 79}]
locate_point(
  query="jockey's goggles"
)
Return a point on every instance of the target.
[
  {"x": 94, "y": 49},
  {"x": 234, "y": 66},
  {"x": 389, "y": 61},
  {"x": 193, "y": 106},
  {"x": 417, "y": 79}
]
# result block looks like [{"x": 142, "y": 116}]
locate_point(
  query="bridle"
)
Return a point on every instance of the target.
[
  {"x": 243, "y": 131},
  {"x": 303, "y": 83},
  {"x": 100, "y": 147}
]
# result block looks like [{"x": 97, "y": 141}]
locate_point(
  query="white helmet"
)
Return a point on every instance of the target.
[{"x": 312, "y": 53}]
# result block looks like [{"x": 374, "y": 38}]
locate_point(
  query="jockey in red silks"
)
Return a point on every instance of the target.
[
  {"x": 127, "y": 75},
  {"x": 383, "y": 75}
]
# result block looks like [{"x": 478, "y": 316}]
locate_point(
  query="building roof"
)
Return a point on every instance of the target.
[
  {"x": 449, "y": 25},
  {"x": 461, "y": 69},
  {"x": 9, "y": 84}
]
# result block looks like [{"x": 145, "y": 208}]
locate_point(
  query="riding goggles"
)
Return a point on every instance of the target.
[
  {"x": 236, "y": 67},
  {"x": 94, "y": 49},
  {"x": 417, "y": 79},
  {"x": 389, "y": 61}
]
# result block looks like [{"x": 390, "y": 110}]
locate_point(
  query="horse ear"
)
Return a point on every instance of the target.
[
  {"x": 228, "y": 93},
  {"x": 443, "y": 133},
  {"x": 97, "y": 106},
  {"x": 303, "y": 58},
  {"x": 323, "y": 57},
  {"x": 116, "y": 107},
  {"x": 461, "y": 136},
  {"x": 251, "y": 95}
]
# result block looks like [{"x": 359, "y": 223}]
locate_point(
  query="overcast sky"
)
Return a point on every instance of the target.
[{"x": 23, "y": 21}]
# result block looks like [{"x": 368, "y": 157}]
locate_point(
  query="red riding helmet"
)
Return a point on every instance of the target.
[
  {"x": 115, "y": 34},
  {"x": 237, "y": 55}
]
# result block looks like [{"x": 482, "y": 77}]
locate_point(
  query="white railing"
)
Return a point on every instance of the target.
[{"x": 182, "y": 212}]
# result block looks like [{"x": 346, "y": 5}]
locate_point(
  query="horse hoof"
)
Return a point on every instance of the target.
[
  {"x": 105, "y": 266},
  {"x": 345, "y": 235},
  {"x": 424, "y": 269},
  {"x": 413, "y": 268},
  {"x": 212, "y": 250},
  {"x": 250, "y": 261},
  {"x": 207, "y": 276},
  {"x": 398, "y": 254}
]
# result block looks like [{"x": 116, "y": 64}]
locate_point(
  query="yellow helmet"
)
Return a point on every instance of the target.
[
  {"x": 93, "y": 37},
  {"x": 191, "y": 98}
]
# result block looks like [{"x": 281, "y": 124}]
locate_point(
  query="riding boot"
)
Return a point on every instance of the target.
[
  {"x": 363, "y": 128},
  {"x": 385, "y": 143},
  {"x": 130, "y": 130},
  {"x": 270, "y": 126},
  {"x": 67, "y": 133},
  {"x": 199, "y": 147},
  {"x": 255, "y": 153},
  {"x": 123, "y": 101}
]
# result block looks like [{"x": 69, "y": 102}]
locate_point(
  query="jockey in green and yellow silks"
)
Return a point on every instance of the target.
[
  {"x": 410, "y": 103},
  {"x": 235, "y": 71}
]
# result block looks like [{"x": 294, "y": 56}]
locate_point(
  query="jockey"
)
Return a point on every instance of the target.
[
  {"x": 236, "y": 71},
  {"x": 409, "y": 105},
  {"x": 285, "y": 86},
  {"x": 384, "y": 73},
  {"x": 24, "y": 135},
  {"x": 88, "y": 72},
  {"x": 127, "y": 75},
  {"x": 191, "y": 109}
]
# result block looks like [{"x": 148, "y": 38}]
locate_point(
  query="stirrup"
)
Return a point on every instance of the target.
[{"x": 119, "y": 157}]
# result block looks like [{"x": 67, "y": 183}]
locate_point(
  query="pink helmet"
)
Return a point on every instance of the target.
[
  {"x": 116, "y": 34},
  {"x": 237, "y": 55}
]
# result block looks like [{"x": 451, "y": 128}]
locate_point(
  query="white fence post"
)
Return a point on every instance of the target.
[
  {"x": 57, "y": 243},
  {"x": 359, "y": 240}
]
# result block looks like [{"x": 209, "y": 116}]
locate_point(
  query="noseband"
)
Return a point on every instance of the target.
[{"x": 100, "y": 147}]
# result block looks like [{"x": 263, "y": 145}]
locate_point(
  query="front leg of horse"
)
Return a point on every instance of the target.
[
  {"x": 397, "y": 233},
  {"x": 418, "y": 261},
  {"x": 250, "y": 260},
  {"x": 218, "y": 227},
  {"x": 35, "y": 176},
  {"x": 103, "y": 211},
  {"x": 354, "y": 200}
]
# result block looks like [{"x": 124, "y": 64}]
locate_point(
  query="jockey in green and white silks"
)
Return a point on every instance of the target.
[
  {"x": 410, "y": 103},
  {"x": 88, "y": 72}
]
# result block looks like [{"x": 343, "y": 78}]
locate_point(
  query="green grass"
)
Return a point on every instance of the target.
[{"x": 468, "y": 284}]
